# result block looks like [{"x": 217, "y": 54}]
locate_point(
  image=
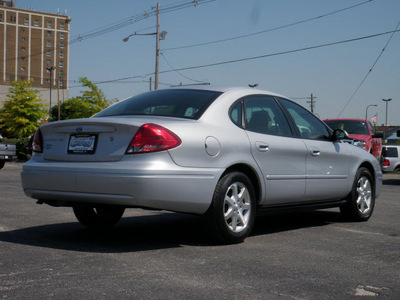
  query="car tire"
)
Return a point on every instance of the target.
[
  {"x": 397, "y": 170},
  {"x": 361, "y": 200},
  {"x": 2, "y": 163},
  {"x": 98, "y": 217},
  {"x": 231, "y": 215}
]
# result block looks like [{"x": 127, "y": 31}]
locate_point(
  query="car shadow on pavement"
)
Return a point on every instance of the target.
[{"x": 150, "y": 232}]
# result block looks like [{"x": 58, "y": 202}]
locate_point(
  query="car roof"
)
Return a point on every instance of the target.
[
  {"x": 224, "y": 89},
  {"x": 345, "y": 119}
]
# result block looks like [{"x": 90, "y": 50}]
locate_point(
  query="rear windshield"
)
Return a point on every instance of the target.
[
  {"x": 190, "y": 104},
  {"x": 351, "y": 127},
  {"x": 390, "y": 152}
]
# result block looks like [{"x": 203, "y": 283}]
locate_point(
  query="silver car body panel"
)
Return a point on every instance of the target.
[{"x": 183, "y": 179}]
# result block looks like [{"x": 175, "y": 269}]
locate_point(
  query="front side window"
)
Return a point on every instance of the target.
[
  {"x": 263, "y": 115},
  {"x": 309, "y": 126},
  {"x": 350, "y": 126},
  {"x": 188, "y": 104}
]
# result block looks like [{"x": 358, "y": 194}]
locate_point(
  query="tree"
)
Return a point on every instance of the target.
[
  {"x": 89, "y": 103},
  {"x": 23, "y": 110}
]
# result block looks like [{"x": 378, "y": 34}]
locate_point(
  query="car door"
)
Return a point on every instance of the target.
[
  {"x": 280, "y": 157},
  {"x": 327, "y": 163}
]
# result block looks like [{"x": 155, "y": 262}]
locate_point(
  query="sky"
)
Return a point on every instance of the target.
[{"x": 344, "y": 52}]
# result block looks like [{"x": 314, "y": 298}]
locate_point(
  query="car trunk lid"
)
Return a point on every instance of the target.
[{"x": 95, "y": 139}]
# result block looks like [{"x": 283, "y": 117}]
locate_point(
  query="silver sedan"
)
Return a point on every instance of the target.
[{"x": 223, "y": 153}]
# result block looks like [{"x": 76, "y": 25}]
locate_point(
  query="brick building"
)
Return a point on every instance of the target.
[{"x": 34, "y": 45}]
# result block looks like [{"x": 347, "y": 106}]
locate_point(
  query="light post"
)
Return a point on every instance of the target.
[
  {"x": 159, "y": 36},
  {"x": 50, "y": 69},
  {"x": 387, "y": 101},
  {"x": 366, "y": 110}
]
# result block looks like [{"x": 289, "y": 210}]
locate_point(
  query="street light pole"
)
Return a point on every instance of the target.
[
  {"x": 159, "y": 36},
  {"x": 387, "y": 101},
  {"x": 366, "y": 110}
]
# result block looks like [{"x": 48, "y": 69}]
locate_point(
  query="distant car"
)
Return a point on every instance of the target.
[
  {"x": 391, "y": 158},
  {"x": 224, "y": 153},
  {"x": 362, "y": 132}
]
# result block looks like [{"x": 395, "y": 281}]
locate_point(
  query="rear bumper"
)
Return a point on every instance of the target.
[{"x": 148, "y": 182}]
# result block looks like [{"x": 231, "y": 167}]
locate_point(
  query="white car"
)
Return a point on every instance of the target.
[{"x": 224, "y": 153}]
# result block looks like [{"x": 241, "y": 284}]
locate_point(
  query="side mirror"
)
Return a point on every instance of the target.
[
  {"x": 339, "y": 134},
  {"x": 378, "y": 134}
]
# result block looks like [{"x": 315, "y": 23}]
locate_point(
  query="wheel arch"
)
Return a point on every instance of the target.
[
  {"x": 370, "y": 168},
  {"x": 249, "y": 172}
]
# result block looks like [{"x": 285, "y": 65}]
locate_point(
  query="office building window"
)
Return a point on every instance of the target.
[
  {"x": 61, "y": 64},
  {"x": 36, "y": 23},
  {"x": 23, "y": 69},
  {"x": 49, "y": 33},
  {"x": 48, "y": 24},
  {"x": 62, "y": 35},
  {"x": 48, "y": 62},
  {"x": 62, "y": 25},
  {"x": 61, "y": 54},
  {"x": 23, "y": 39},
  {"x": 23, "y": 49},
  {"x": 48, "y": 43},
  {"x": 48, "y": 53},
  {"x": 61, "y": 73},
  {"x": 62, "y": 45},
  {"x": 1, "y": 17},
  {"x": 26, "y": 21},
  {"x": 22, "y": 58}
]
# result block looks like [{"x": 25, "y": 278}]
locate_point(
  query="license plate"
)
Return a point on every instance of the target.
[{"x": 82, "y": 144}]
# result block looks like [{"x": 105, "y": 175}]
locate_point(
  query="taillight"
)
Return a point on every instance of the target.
[
  {"x": 37, "y": 143},
  {"x": 152, "y": 138},
  {"x": 386, "y": 162}
]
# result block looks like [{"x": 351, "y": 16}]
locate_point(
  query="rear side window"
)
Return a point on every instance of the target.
[
  {"x": 189, "y": 104},
  {"x": 390, "y": 152},
  {"x": 263, "y": 115}
]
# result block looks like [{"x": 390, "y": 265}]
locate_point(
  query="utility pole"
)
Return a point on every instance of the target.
[
  {"x": 50, "y": 69},
  {"x": 157, "y": 46},
  {"x": 312, "y": 102}
]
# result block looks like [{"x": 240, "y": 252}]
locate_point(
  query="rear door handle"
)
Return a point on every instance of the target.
[
  {"x": 315, "y": 151},
  {"x": 263, "y": 147}
]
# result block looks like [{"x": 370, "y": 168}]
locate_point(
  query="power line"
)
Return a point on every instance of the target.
[
  {"x": 269, "y": 30},
  {"x": 257, "y": 57},
  {"x": 281, "y": 53},
  {"x": 162, "y": 54},
  {"x": 370, "y": 70}
]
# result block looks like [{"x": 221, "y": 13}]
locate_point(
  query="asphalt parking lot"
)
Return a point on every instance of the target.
[{"x": 46, "y": 254}]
